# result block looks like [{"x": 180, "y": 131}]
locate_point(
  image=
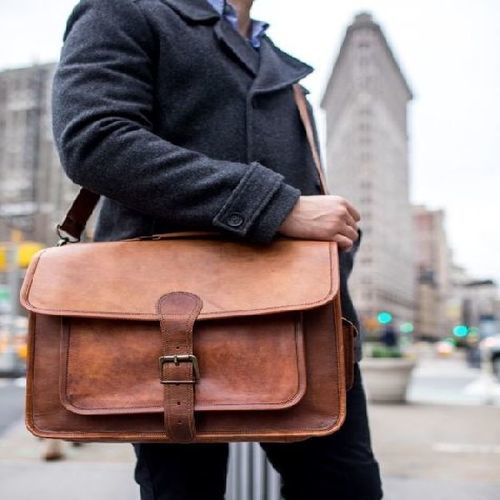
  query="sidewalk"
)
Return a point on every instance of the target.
[
  {"x": 436, "y": 452},
  {"x": 90, "y": 472},
  {"x": 431, "y": 452}
]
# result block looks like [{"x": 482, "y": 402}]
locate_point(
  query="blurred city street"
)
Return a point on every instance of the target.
[
  {"x": 444, "y": 444},
  {"x": 451, "y": 381},
  {"x": 407, "y": 130}
]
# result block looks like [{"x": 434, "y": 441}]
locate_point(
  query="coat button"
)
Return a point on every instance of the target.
[{"x": 235, "y": 220}]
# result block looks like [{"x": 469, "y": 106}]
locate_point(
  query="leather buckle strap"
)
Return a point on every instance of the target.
[
  {"x": 176, "y": 359},
  {"x": 73, "y": 225},
  {"x": 178, "y": 365}
]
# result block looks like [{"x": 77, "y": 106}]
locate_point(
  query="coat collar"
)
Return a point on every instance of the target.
[
  {"x": 273, "y": 69},
  {"x": 194, "y": 10},
  {"x": 277, "y": 69},
  {"x": 237, "y": 45},
  {"x": 202, "y": 11}
]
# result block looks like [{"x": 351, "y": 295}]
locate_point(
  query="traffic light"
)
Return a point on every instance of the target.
[
  {"x": 473, "y": 332},
  {"x": 460, "y": 331},
  {"x": 406, "y": 327},
  {"x": 3, "y": 258},
  {"x": 384, "y": 317},
  {"x": 25, "y": 252},
  {"x": 4, "y": 294}
]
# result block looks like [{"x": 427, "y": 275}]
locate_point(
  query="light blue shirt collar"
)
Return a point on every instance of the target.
[{"x": 257, "y": 29}]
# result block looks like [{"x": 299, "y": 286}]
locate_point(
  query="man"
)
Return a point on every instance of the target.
[{"x": 181, "y": 114}]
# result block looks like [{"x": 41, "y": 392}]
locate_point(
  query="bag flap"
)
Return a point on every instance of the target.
[
  {"x": 246, "y": 363},
  {"x": 126, "y": 279}
]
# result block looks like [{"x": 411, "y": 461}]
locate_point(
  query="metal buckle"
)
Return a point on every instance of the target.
[
  {"x": 352, "y": 325},
  {"x": 177, "y": 359},
  {"x": 64, "y": 237}
]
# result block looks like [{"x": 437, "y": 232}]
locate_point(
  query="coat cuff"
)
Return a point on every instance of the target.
[
  {"x": 272, "y": 216},
  {"x": 258, "y": 205}
]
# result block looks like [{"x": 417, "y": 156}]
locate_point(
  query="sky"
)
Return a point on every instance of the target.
[{"x": 449, "y": 53}]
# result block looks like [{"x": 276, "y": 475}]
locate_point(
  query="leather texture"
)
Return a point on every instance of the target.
[
  {"x": 263, "y": 324},
  {"x": 305, "y": 118},
  {"x": 92, "y": 363},
  {"x": 178, "y": 365},
  {"x": 186, "y": 337},
  {"x": 286, "y": 276},
  {"x": 350, "y": 334}
]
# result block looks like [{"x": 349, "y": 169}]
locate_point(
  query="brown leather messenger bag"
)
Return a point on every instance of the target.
[{"x": 186, "y": 337}]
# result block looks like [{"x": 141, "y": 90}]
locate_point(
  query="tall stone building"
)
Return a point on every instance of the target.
[
  {"x": 433, "y": 267},
  {"x": 367, "y": 162},
  {"x": 473, "y": 302},
  {"x": 33, "y": 188}
]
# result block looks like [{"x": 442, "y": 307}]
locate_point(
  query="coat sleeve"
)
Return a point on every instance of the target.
[{"x": 102, "y": 122}]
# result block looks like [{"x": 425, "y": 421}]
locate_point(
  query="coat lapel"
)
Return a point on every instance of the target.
[
  {"x": 237, "y": 45},
  {"x": 193, "y": 10},
  {"x": 277, "y": 69},
  {"x": 201, "y": 11},
  {"x": 272, "y": 68}
]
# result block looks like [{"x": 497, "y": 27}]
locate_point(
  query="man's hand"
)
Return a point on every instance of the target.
[{"x": 323, "y": 218}]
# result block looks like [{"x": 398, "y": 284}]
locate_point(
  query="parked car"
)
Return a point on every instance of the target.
[
  {"x": 490, "y": 353},
  {"x": 445, "y": 348}
]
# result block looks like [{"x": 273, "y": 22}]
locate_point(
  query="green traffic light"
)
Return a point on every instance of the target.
[
  {"x": 460, "y": 331},
  {"x": 473, "y": 332},
  {"x": 406, "y": 327},
  {"x": 384, "y": 317}
]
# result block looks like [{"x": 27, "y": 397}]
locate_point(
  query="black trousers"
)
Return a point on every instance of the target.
[{"x": 336, "y": 467}]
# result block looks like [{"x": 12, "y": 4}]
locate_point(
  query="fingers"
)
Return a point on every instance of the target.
[
  {"x": 349, "y": 219},
  {"x": 330, "y": 218},
  {"x": 352, "y": 211},
  {"x": 344, "y": 242},
  {"x": 348, "y": 212},
  {"x": 349, "y": 232}
]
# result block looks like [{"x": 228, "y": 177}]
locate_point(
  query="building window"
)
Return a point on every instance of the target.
[{"x": 366, "y": 259}]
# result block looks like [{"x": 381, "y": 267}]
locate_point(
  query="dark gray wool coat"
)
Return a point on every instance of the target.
[{"x": 165, "y": 110}]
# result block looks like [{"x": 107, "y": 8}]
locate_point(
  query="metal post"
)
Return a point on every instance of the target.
[
  {"x": 273, "y": 484},
  {"x": 250, "y": 476},
  {"x": 258, "y": 472},
  {"x": 231, "y": 474},
  {"x": 245, "y": 483}
]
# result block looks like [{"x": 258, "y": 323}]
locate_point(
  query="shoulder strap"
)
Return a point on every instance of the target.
[
  {"x": 73, "y": 225},
  {"x": 301, "y": 103}
]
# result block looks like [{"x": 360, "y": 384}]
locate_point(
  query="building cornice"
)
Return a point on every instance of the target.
[{"x": 365, "y": 21}]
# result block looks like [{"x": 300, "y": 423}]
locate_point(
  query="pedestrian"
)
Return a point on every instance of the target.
[
  {"x": 181, "y": 114},
  {"x": 53, "y": 449},
  {"x": 389, "y": 337}
]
